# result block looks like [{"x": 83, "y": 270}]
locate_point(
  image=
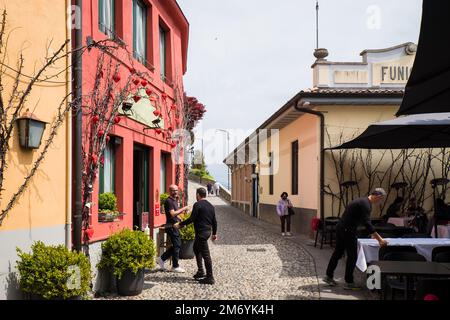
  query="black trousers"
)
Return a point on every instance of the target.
[
  {"x": 201, "y": 250},
  {"x": 285, "y": 223},
  {"x": 346, "y": 241},
  {"x": 174, "y": 251}
]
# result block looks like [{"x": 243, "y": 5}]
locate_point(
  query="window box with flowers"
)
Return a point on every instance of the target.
[{"x": 107, "y": 207}]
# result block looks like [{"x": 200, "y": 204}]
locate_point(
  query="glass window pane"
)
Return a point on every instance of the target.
[
  {"x": 107, "y": 172},
  {"x": 106, "y": 16},
  {"x": 162, "y": 51},
  {"x": 163, "y": 174},
  {"x": 140, "y": 29}
]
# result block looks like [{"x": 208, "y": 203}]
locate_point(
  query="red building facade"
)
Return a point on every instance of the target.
[{"x": 138, "y": 164}]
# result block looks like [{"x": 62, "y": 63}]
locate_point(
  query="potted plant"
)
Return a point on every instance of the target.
[
  {"x": 53, "y": 273},
  {"x": 126, "y": 254},
  {"x": 187, "y": 235},
  {"x": 107, "y": 207}
]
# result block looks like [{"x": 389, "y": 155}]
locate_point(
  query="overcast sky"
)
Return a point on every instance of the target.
[{"x": 248, "y": 57}]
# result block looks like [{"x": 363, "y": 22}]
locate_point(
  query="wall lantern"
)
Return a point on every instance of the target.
[
  {"x": 126, "y": 107},
  {"x": 31, "y": 130}
]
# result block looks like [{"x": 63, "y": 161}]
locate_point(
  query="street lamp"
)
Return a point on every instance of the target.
[
  {"x": 31, "y": 130},
  {"x": 228, "y": 152}
]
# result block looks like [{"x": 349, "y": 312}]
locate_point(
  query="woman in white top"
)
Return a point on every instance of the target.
[{"x": 283, "y": 212}]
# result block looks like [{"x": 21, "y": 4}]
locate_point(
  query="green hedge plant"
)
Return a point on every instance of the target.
[
  {"x": 127, "y": 250},
  {"x": 107, "y": 203},
  {"x": 163, "y": 197},
  {"x": 187, "y": 233},
  {"x": 54, "y": 272}
]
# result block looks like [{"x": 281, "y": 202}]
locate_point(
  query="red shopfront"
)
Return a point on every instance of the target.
[{"x": 138, "y": 162}]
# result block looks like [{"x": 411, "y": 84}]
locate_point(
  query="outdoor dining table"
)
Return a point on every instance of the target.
[
  {"x": 368, "y": 248},
  {"x": 410, "y": 269},
  {"x": 400, "y": 221},
  {"x": 443, "y": 231}
]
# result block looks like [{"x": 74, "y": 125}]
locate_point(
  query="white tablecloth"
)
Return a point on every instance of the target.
[
  {"x": 368, "y": 248},
  {"x": 443, "y": 232},
  {"x": 401, "y": 222}
]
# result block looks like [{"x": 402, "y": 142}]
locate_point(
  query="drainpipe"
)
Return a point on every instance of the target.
[
  {"x": 68, "y": 226},
  {"x": 77, "y": 141},
  {"x": 322, "y": 151}
]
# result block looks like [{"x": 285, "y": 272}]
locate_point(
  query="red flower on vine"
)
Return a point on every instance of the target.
[
  {"x": 95, "y": 119},
  {"x": 116, "y": 77}
]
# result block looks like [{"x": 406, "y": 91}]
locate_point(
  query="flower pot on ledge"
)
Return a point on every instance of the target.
[{"x": 108, "y": 216}]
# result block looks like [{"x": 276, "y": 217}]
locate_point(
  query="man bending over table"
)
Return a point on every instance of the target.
[{"x": 356, "y": 213}]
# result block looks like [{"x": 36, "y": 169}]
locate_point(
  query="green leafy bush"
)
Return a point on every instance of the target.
[
  {"x": 187, "y": 233},
  {"x": 127, "y": 250},
  {"x": 163, "y": 197},
  {"x": 107, "y": 202},
  {"x": 51, "y": 272}
]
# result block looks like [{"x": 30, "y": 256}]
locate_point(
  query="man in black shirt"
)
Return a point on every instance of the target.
[
  {"x": 356, "y": 213},
  {"x": 172, "y": 212},
  {"x": 205, "y": 224}
]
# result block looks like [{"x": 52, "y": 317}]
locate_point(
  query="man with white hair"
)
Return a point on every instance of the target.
[
  {"x": 172, "y": 212},
  {"x": 356, "y": 213}
]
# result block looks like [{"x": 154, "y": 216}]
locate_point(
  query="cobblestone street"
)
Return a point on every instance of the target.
[{"x": 249, "y": 263}]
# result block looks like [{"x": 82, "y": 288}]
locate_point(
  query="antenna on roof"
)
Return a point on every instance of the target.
[
  {"x": 319, "y": 53},
  {"x": 317, "y": 24}
]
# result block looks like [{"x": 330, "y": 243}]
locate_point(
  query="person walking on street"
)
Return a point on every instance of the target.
[
  {"x": 217, "y": 188},
  {"x": 284, "y": 207},
  {"x": 172, "y": 212},
  {"x": 205, "y": 225},
  {"x": 209, "y": 187},
  {"x": 356, "y": 213}
]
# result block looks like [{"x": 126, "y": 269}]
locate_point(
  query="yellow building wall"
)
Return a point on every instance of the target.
[
  {"x": 33, "y": 24},
  {"x": 342, "y": 124},
  {"x": 305, "y": 129}
]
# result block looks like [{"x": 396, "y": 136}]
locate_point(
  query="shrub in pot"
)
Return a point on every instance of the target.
[
  {"x": 187, "y": 235},
  {"x": 126, "y": 254},
  {"x": 107, "y": 207},
  {"x": 54, "y": 272}
]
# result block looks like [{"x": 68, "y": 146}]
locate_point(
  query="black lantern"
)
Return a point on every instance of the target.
[{"x": 31, "y": 130}]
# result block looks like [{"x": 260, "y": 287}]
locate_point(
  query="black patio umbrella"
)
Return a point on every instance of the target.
[
  {"x": 411, "y": 132},
  {"x": 430, "y": 130},
  {"x": 428, "y": 87}
]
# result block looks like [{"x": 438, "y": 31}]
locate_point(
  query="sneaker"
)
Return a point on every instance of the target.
[
  {"x": 178, "y": 270},
  {"x": 283, "y": 234},
  {"x": 199, "y": 275},
  {"x": 160, "y": 263},
  {"x": 330, "y": 281},
  {"x": 288, "y": 234},
  {"x": 351, "y": 286},
  {"x": 207, "y": 280}
]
